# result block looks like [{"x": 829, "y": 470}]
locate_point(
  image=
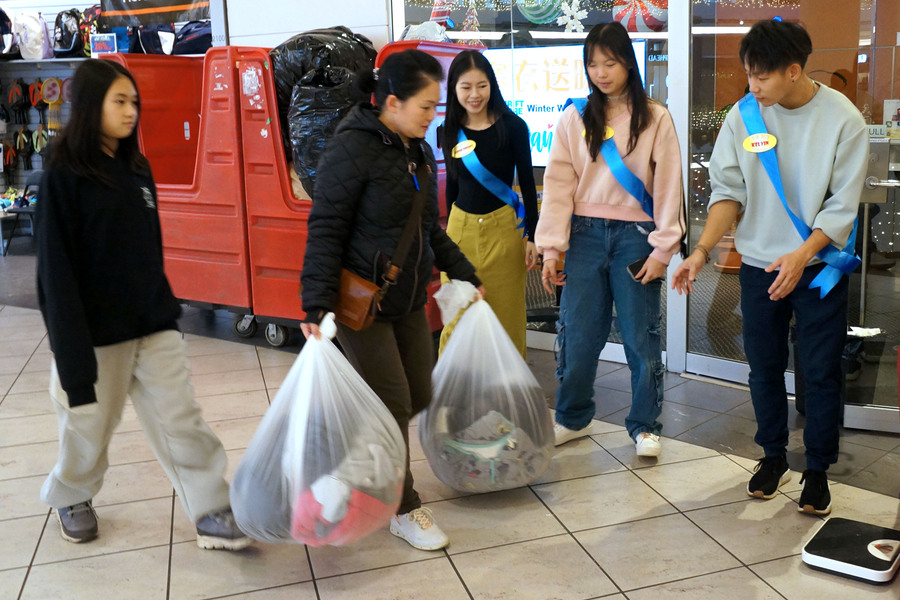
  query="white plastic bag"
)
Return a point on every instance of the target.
[
  {"x": 327, "y": 463},
  {"x": 488, "y": 427}
]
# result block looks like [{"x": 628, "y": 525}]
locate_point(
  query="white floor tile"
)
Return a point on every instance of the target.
[
  {"x": 698, "y": 483},
  {"x": 796, "y": 581},
  {"x": 652, "y": 551},
  {"x": 555, "y": 567},
  {"x": 403, "y": 582},
  {"x": 736, "y": 584},
  {"x": 136, "y": 575},
  {"x": 200, "y": 573},
  {"x": 757, "y": 530},
  {"x": 602, "y": 500}
]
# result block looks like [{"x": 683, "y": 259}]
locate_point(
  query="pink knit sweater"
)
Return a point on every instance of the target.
[{"x": 574, "y": 184}]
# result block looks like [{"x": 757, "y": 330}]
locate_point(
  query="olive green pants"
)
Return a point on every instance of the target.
[{"x": 495, "y": 246}]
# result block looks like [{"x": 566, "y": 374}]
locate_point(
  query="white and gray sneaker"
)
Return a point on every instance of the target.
[
  {"x": 218, "y": 531},
  {"x": 418, "y": 528},
  {"x": 647, "y": 444},
  {"x": 78, "y": 523}
]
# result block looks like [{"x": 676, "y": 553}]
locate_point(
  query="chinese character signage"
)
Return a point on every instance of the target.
[{"x": 536, "y": 82}]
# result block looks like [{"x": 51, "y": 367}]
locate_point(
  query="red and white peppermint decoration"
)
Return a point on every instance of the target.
[{"x": 642, "y": 15}]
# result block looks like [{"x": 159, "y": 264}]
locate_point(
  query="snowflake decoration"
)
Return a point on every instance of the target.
[{"x": 572, "y": 15}]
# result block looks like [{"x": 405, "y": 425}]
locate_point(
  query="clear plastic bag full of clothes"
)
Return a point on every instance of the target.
[
  {"x": 326, "y": 465},
  {"x": 488, "y": 427}
]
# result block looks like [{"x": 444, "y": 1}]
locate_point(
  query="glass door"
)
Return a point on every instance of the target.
[{"x": 855, "y": 53}]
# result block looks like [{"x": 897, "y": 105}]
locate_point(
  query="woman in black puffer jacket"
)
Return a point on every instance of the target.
[{"x": 361, "y": 201}]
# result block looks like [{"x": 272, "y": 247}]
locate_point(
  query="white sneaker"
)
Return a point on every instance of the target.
[
  {"x": 647, "y": 444},
  {"x": 563, "y": 434},
  {"x": 419, "y": 529}
]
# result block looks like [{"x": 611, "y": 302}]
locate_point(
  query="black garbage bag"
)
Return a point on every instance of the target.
[
  {"x": 316, "y": 49},
  {"x": 319, "y": 101}
]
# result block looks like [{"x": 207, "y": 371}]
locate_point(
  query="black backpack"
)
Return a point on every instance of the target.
[
  {"x": 194, "y": 38},
  {"x": 67, "y": 36},
  {"x": 144, "y": 39},
  {"x": 9, "y": 45}
]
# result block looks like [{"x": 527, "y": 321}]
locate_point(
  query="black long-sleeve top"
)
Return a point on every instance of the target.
[
  {"x": 502, "y": 157},
  {"x": 100, "y": 268}
]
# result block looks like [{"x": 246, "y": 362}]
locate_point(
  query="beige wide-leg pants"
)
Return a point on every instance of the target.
[{"x": 154, "y": 372}]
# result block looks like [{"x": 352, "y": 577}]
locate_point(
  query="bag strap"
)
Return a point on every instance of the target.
[{"x": 421, "y": 179}]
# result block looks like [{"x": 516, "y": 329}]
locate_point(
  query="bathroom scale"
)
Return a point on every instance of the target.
[{"x": 854, "y": 549}]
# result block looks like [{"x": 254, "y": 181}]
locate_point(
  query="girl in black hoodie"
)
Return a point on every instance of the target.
[
  {"x": 361, "y": 202},
  {"x": 110, "y": 316}
]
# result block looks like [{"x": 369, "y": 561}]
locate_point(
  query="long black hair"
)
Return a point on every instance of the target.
[
  {"x": 79, "y": 146},
  {"x": 403, "y": 75},
  {"x": 613, "y": 39},
  {"x": 456, "y": 116}
]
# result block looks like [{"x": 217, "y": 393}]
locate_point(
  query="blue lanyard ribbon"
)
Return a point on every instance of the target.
[
  {"x": 491, "y": 182},
  {"x": 838, "y": 262},
  {"x": 628, "y": 180}
]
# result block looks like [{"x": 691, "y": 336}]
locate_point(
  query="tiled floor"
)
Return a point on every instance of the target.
[{"x": 598, "y": 524}]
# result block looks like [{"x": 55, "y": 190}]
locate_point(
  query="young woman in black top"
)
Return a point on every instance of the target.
[
  {"x": 484, "y": 217},
  {"x": 110, "y": 316}
]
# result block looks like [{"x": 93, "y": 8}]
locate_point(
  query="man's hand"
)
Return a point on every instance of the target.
[
  {"x": 790, "y": 270},
  {"x": 686, "y": 273}
]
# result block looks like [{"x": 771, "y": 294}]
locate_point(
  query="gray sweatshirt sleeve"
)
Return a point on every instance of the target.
[
  {"x": 840, "y": 209},
  {"x": 725, "y": 175}
]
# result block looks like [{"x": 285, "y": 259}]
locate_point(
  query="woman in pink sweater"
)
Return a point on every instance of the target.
[{"x": 612, "y": 198}]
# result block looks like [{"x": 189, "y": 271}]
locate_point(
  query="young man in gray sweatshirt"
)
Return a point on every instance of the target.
[{"x": 791, "y": 243}]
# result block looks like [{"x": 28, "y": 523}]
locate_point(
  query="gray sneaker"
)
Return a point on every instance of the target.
[
  {"x": 78, "y": 523},
  {"x": 218, "y": 531}
]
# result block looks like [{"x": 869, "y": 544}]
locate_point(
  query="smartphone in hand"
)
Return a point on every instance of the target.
[{"x": 635, "y": 268}]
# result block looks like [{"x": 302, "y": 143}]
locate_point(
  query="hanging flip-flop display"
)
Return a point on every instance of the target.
[
  {"x": 39, "y": 139},
  {"x": 34, "y": 95},
  {"x": 51, "y": 93},
  {"x": 24, "y": 146}
]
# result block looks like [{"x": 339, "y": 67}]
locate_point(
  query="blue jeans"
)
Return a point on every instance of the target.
[
  {"x": 821, "y": 334},
  {"x": 596, "y": 277}
]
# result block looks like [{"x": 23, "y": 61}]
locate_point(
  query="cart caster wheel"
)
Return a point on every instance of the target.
[
  {"x": 277, "y": 335},
  {"x": 245, "y": 326}
]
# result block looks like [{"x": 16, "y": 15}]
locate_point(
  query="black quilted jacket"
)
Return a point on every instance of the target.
[{"x": 362, "y": 198}]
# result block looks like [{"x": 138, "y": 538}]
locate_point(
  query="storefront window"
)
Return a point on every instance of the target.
[
  {"x": 854, "y": 52},
  {"x": 535, "y": 48}
]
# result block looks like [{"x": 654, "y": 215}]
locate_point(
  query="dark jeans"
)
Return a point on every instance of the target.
[
  {"x": 597, "y": 279},
  {"x": 821, "y": 333},
  {"x": 396, "y": 358}
]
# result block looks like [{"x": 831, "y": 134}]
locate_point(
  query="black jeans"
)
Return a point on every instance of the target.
[
  {"x": 396, "y": 359},
  {"x": 821, "y": 334}
]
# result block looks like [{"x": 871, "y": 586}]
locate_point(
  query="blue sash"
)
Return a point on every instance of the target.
[
  {"x": 628, "y": 180},
  {"x": 491, "y": 182},
  {"x": 839, "y": 262}
]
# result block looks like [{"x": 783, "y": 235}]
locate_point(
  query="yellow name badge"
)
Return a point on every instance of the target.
[
  {"x": 463, "y": 148},
  {"x": 759, "y": 142},
  {"x": 607, "y": 133}
]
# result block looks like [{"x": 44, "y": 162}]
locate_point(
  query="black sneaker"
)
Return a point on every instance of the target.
[
  {"x": 78, "y": 523},
  {"x": 218, "y": 531},
  {"x": 815, "y": 498},
  {"x": 770, "y": 474}
]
